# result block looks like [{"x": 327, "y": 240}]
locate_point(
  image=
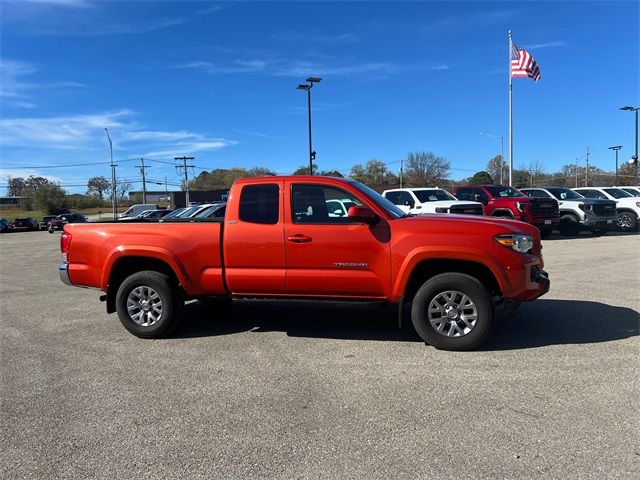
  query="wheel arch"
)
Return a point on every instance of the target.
[
  {"x": 126, "y": 266},
  {"x": 429, "y": 268},
  {"x": 503, "y": 212}
]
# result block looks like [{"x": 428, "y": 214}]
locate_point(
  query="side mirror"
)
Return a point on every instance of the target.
[{"x": 362, "y": 214}]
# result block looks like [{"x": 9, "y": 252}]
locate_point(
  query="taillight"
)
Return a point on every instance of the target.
[{"x": 65, "y": 241}]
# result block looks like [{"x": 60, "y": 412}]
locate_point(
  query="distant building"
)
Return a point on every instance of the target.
[
  {"x": 12, "y": 200},
  {"x": 198, "y": 196},
  {"x": 152, "y": 196},
  {"x": 177, "y": 199}
]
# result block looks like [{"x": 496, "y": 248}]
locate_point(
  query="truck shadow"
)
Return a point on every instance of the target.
[{"x": 540, "y": 323}]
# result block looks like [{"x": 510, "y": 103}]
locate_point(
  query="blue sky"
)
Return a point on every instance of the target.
[{"x": 217, "y": 81}]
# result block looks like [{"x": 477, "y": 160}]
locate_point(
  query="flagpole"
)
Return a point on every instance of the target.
[{"x": 510, "y": 116}]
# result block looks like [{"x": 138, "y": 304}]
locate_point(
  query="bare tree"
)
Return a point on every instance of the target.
[
  {"x": 122, "y": 188},
  {"x": 424, "y": 169},
  {"x": 498, "y": 169}
]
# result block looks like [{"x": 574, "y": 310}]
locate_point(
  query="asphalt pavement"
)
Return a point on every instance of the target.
[{"x": 262, "y": 389}]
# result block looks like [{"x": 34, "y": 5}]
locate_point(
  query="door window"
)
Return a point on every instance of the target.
[{"x": 320, "y": 204}]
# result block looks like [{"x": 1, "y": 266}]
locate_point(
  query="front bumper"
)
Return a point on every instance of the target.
[
  {"x": 537, "y": 285},
  {"x": 63, "y": 272},
  {"x": 602, "y": 223}
]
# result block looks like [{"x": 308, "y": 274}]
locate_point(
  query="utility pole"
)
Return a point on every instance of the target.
[
  {"x": 586, "y": 171},
  {"x": 114, "y": 202},
  {"x": 185, "y": 167},
  {"x": 166, "y": 191},
  {"x": 401, "y": 168},
  {"x": 144, "y": 182},
  {"x": 576, "y": 172}
]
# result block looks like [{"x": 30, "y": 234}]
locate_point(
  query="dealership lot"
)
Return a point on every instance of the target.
[{"x": 263, "y": 389}]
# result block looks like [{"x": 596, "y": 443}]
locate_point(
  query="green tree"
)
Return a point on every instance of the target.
[
  {"x": 373, "y": 173},
  {"x": 304, "y": 169},
  {"x": 331, "y": 173},
  {"x": 50, "y": 198},
  {"x": 425, "y": 169},
  {"x": 97, "y": 186},
  {"x": 481, "y": 178}
]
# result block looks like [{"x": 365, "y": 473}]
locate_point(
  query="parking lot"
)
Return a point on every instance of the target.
[{"x": 261, "y": 389}]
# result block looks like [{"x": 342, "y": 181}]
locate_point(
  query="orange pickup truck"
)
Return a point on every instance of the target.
[{"x": 311, "y": 237}]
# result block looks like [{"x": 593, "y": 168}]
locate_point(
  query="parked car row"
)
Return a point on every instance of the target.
[{"x": 595, "y": 209}]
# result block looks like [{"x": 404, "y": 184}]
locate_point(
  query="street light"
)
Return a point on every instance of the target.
[
  {"x": 493, "y": 137},
  {"x": 114, "y": 206},
  {"x": 635, "y": 156},
  {"x": 307, "y": 87},
  {"x": 616, "y": 148}
]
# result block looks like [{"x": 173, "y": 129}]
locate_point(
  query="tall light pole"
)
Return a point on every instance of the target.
[
  {"x": 616, "y": 148},
  {"x": 308, "y": 86},
  {"x": 493, "y": 137},
  {"x": 114, "y": 204},
  {"x": 635, "y": 156}
]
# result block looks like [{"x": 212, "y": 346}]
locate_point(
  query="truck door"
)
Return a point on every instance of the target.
[
  {"x": 254, "y": 254},
  {"x": 327, "y": 254}
]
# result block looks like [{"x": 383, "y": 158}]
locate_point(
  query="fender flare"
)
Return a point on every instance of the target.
[
  {"x": 144, "y": 251},
  {"x": 464, "y": 254}
]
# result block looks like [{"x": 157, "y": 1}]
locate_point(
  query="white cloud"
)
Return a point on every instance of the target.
[
  {"x": 16, "y": 91},
  {"x": 58, "y": 132},
  {"x": 546, "y": 45},
  {"x": 61, "y": 3},
  {"x": 283, "y": 68}
]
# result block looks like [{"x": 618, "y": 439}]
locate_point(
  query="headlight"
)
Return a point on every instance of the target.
[
  {"x": 583, "y": 207},
  {"x": 442, "y": 210},
  {"x": 521, "y": 206},
  {"x": 520, "y": 243},
  {"x": 637, "y": 204}
]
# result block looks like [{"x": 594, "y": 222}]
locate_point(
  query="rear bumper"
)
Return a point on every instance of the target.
[{"x": 63, "y": 272}]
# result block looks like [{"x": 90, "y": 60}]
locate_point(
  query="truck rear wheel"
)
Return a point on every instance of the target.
[
  {"x": 453, "y": 311},
  {"x": 148, "y": 304}
]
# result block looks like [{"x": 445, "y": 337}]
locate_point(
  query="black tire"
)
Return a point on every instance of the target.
[
  {"x": 157, "y": 290},
  {"x": 455, "y": 285},
  {"x": 569, "y": 226},
  {"x": 545, "y": 232},
  {"x": 627, "y": 221}
]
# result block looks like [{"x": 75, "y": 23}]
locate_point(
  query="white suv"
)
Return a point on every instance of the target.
[
  {"x": 416, "y": 201},
  {"x": 627, "y": 206}
]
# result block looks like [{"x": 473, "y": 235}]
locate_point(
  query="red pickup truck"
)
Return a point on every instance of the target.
[
  {"x": 503, "y": 201},
  {"x": 284, "y": 237}
]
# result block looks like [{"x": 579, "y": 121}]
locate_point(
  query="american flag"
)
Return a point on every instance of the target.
[{"x": 523, "y": 64}]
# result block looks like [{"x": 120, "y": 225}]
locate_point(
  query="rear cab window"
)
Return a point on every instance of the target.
[{"x": 260, "y": 204}]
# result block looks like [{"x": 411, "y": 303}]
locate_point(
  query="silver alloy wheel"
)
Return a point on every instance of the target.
[
  {"x": 144, "y": 306},
  {"x": 452, "y": 313},
  {"x": 625, "y": 221}
]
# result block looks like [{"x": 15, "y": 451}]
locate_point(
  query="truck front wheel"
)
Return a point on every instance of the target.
[
  {"x": 453, "y": 311},
  {"x": 148, "y": 305}
]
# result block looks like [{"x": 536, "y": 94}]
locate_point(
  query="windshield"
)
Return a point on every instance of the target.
[
  {"x": 388, "y": 207},
  {"x": 504, "y": 191},
  {"x": 633, "y": 191},
  {"x": 617, "y": 193},
  {"x": 175, "y": 213},
  {"x": 433, "y": 195},
  {"x": 564, "y": 194},
  {"x": 212, "y": 211}
]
